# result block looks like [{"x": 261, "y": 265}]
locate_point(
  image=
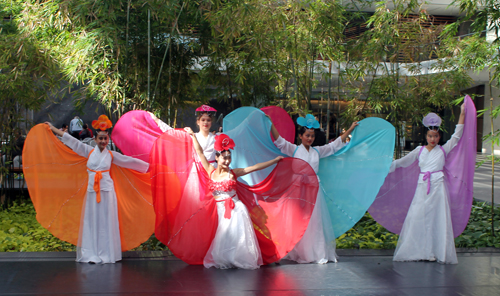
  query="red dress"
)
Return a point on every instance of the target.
[
  {"x": 186, "y": 214},
  {"x": 235, "y": 243}
]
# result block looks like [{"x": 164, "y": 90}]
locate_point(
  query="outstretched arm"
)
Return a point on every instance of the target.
[
  {"x": 162, "y": 125},
  {"x": 206, "y": 165},
  {"x": 75, "y": 145},
  {"x": 349, "y": 131},
  {"x": 256, "y": 167},
  {"x": 405, "y": 161},
  {"x": 130, "y": 162},
  {"x": 55, "y": 130}
]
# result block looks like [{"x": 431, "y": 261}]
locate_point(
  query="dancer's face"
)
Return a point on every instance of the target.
[
  {"x": 102, "y": 139},
  {"x": 224, "y": 159},
  {"x": 204, "y": 122},
  {"x": 307, "y": 137},
  {"x": 432, "y": 137}
]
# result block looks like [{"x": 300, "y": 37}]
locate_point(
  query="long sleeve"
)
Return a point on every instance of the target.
[
  {"x": 285, "y": 146},
  {"x": 453, "y": 141},
  {"x": 130, "y": 162},
  {"x": 405, "y": 161},
  {"x": 77, "y": 146},
  {"x": 163, "y": 126},
  {"x": 330, "y": 148}
]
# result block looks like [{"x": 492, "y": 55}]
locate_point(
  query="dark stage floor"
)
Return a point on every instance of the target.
[{"x": 57, "y": 273}]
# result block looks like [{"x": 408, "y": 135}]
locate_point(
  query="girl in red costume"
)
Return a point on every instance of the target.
[
  {"x": 206, "y": 216},
  {"x": 235, "y": 243}
]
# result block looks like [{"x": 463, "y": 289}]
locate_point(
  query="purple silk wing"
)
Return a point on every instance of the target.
[
  {"x": 459, "y": 170},
  {"x": 134, "y": 134},
  {"x": 395, "y": 196}
]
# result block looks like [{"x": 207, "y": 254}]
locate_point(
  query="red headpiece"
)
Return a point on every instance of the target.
[
  {"x": 102, "y": 123},
  {"x": 223, "y": 142}
]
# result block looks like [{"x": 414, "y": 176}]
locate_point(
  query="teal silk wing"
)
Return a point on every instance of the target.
[
  {"x": 250, "y": 129},
  {"x": 350, "y": 179}
]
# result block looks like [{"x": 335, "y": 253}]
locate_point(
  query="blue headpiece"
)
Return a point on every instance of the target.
[{"x": 309, "y": 121}]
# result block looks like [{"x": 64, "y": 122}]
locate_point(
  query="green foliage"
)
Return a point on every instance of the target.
[
  {"x": 152, "y": 244},
  {"x": 102, "y": 46},
  {"x": 387, "y": 66},
  {"x": 27, "y": 76},
  {"x": 367, "y": 234},
  {"x": 257, "y": 52},
  {"x": 20, "y": 232},
  {"x": 477, "y": 234},
  {"x": 478, "y": 52},
  {"x": 270, "y": 49}
]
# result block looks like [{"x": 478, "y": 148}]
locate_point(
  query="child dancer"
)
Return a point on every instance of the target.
[
  {"x": 430, "y": 190},
  {"x": 206, "y": 139},
  {"x": 233, "y": 224},
  {"x": 235, "y": 243},
  {"x": 427, "y": 232},
  {"x": 318, "y": 243},
  {"x": 98, "y": 236},
  {"x": 345, "y": 198}
]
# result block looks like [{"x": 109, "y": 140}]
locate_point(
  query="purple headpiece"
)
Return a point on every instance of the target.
[{"x": 431, "y": 119}]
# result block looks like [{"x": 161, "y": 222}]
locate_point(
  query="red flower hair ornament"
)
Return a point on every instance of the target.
[
  {"x": 223, "y": 143},
  {"x": 102, "y": 123}
]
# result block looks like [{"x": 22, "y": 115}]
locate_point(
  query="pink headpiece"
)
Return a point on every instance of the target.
[{"x": 205, "y": 108}]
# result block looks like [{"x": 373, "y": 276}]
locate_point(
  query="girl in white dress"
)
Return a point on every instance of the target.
[
  {"x": 318, "y": 243},
  {"x": 206, "y": 139},
  {"x": 235, "y": 244},
  {"x": 427, "y": 232},
  {"x": 99, "y": 239}
]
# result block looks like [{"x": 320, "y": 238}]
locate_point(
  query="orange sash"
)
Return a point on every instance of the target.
[{"x": 98, "y": 177}]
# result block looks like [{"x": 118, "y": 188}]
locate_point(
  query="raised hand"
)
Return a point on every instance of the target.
[{"x": 189, "y": 130}]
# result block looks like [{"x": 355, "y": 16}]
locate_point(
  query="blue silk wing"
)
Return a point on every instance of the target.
[
  {"x": 352, "y": 177},
  {"x": 250, "y": 129}
]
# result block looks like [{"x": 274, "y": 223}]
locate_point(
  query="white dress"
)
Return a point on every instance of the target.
[
  {"x": 207, "y": 144},
  {"x": 99, "y": 239},
  {"x": 427, "y": 232},
  {"x": 235, "y": 244},
  {"x": 318, "y": 243}
]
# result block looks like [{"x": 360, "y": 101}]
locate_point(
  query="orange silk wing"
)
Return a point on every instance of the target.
[
  {"x": 135, "y": 206},
  {"x": 57, "y": 181}
]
